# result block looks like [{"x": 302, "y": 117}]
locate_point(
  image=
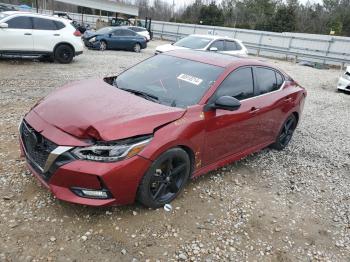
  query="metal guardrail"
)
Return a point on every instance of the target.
[{"x": 319, "y": 48}]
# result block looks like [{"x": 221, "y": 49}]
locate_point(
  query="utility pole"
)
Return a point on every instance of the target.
[
  {"x": 174, "y": 11},
  {"x": 37, "y": 7}
]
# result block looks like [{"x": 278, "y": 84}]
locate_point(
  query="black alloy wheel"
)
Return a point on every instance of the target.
[
  {"x": 64, "y": 54},
  {"x": 286, "y": 133},
  {"x": 165, "y": 179}
]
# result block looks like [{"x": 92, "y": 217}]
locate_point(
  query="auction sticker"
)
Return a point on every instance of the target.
[{"x": 190, "y": 79}]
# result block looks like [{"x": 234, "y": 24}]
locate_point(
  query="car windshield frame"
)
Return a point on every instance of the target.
[
  {"x": 174, "y": 81},
  {"x": 194, "y": 42}
]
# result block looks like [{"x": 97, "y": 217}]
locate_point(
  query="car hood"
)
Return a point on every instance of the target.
[
  {"x": 89, "y": 34},
  {"x": 168, "y": 47},
  {"x": 94, "y": 109}
]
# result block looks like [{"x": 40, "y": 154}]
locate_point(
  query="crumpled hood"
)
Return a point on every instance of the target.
[
  {"x": 168, "y": 47},
  {"x": 89, "y": 34},
  {"x": 94, "y": 109}
]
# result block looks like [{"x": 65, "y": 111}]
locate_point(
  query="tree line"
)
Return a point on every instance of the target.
[{"x": 330, "y": 17}]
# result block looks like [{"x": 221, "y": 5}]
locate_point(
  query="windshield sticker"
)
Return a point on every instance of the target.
[{"x": 190, "y": 79}]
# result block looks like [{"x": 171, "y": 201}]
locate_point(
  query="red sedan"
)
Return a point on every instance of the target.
[{"x": 143, "y": 134}]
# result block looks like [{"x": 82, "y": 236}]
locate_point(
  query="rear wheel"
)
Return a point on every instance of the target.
[
  {"x": 165, "y": 179},
  {"x": 103, "y": 45},
  {"x": 64, "y": 54},
  {"x": 137, "y": 48},
  {"x": 286, "y": 133}
]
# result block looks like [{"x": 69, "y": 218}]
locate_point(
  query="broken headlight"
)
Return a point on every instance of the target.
[
  {"x": 92, "y": 40},
  {"x": 112, "y": 151}
]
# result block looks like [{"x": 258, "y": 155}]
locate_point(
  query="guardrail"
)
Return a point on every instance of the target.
[{"x": 325, "y": 49}]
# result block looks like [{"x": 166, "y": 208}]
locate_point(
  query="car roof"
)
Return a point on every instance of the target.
[
  {"x": 215, "y": 37},
  {"x": 35, "y": 15},
  {"x": 214, "y": 58}
]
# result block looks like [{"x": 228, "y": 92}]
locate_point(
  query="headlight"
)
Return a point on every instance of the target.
[
  {"x": 92, "y": 39},
  {"x": 113, "y": 151},
  {"x": 347, "y": 76}
]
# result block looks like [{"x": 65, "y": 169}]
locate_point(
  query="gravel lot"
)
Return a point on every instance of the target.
[{"x": 272, "y": 206}]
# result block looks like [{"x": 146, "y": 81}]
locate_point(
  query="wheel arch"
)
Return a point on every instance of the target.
[
  {"x": 296, "y": 114},
  {"x": 63, "y": 43},
  {"x": 191, "y": 154}
]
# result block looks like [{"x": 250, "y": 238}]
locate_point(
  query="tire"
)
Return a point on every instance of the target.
[
  {"x": 165, "y": 179},
  {"x": 286, "y": 133},
  {"x": 103, "y": 45},
  {"x": 64, "y": 54},
  {"x": 137, "y": 48}
]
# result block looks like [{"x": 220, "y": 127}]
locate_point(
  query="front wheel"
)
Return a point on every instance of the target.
[
  {"x": 103, "y": 45},
  {"x": 137, "y": 48},
  {"x": 286, "y": 133},
  {"x": 165, "y": 179},
  {"x": 64, "y": 54}
]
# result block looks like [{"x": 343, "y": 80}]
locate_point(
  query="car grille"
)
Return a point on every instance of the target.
[{"x": 37, "y": 147}]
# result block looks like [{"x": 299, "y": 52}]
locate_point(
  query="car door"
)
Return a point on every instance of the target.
[
  {"x": 232, "y": 47},
  {"x": 232, "y": 132},
  {"x": 271, "y": 102},
  {"x": 45, "y": 34},
  {"x": 18, "y": 36},
  {"x": 115, "y": 39},
  {"x": 128, "y": 38}
]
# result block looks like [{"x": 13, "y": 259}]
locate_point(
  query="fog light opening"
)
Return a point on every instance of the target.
[{"x": 92, "y": 193}]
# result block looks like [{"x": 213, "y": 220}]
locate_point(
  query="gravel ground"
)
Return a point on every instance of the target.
[{"x": 292, "y": 205}]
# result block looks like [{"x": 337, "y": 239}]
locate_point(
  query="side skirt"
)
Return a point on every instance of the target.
[{"x": 229, "y": 159}]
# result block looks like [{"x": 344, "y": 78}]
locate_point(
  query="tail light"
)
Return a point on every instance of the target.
[{"x": 77, "y": 33}]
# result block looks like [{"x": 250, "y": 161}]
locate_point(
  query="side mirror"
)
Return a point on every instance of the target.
[
  {"x": 224, "y": 102},
  {"x": 109, "y": 35},
  {"x": 4, "y": 25},
  {"x": 213, "y": 49}
]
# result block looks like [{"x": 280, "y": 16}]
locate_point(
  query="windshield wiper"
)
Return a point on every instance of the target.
[{"x": 141, "y": 93}]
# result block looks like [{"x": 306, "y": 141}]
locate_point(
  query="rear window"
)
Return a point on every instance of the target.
[
  {"x": 232, "y": 45},
  {"x": 20, "y": 22},
  {"x": 59, "y": 25},
  {"x": 44, "y": 24}
]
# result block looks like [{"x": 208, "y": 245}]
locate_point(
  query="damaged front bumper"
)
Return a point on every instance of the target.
[{"x": 78, "y": 181}]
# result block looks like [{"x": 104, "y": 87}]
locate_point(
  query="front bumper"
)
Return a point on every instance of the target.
[
  {"x": 343, "y": 84},
  {"x": 65, "y": 173}
]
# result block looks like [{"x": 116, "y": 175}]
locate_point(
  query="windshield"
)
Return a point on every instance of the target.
[
  {"x": 173, "y": 81},
  {"x": 105, "y": 30},
  {"x": 193, "y": 42}
]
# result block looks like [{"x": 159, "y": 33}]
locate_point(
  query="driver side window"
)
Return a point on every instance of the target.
[
  {"x": 219, "y": 44},
  {"x": 239, "y": 84}
]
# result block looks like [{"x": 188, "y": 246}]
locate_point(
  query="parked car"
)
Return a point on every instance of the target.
[
  {"x": 115, "y": 38},
  {"x": 206, "y": 43},
  {"x": 141, "y": 31},
  {"x": 34, "y": 35},
  {"x": 344, "y": 81},
  {"x": 143, "y": 134}
]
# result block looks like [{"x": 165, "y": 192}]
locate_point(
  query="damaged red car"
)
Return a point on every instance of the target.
[{"x": 143, "y": 134}]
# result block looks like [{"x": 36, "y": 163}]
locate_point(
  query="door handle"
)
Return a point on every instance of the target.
[
  {"x": 288, "y": 99},
  {"x": 254, "y": 110},
  {"x": 56, "y": 34},
  {"x": 27, "y": 34}
]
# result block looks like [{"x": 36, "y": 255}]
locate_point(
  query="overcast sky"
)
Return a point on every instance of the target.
[{"x": 180, "y": 3}]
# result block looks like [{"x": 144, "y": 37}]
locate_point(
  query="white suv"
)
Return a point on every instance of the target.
[{"x": 34, "y": 35}]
